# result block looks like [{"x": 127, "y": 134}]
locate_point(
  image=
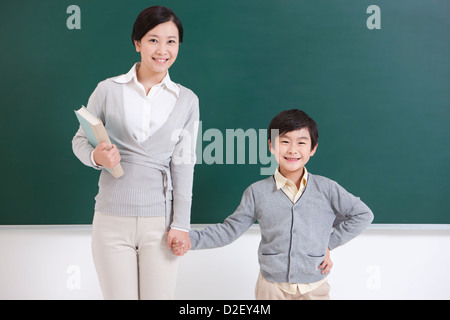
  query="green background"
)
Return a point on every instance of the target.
[{"x": 380, "y": 97}]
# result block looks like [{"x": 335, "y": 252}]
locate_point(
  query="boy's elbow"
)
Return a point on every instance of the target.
[
  {"x": 371, "y": 215},
  {"x": 366, "y": 213},
  {"x": 368, "y": 217}
]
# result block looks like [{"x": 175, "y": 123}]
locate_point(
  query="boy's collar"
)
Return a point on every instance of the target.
[{"x": 281, "y": 180}]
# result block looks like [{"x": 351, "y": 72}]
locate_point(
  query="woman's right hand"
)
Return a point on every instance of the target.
[{"x": 106, "y": 155}]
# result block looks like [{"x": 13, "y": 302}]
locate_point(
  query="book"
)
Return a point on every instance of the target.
[{"x": 96, "y": 133}]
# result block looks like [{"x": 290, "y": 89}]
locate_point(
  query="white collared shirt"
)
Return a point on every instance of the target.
[{"x": 147, "y": 113}]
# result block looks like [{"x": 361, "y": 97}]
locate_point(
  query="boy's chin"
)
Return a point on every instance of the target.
[{"x": 292, "y": 167}]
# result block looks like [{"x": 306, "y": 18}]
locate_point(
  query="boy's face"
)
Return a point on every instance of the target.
[{"x": 292, "y": 151}]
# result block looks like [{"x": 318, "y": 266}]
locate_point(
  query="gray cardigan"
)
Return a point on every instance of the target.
[
  {"x": 294, "y": 237},
  {"x": 155, "y": 182}
]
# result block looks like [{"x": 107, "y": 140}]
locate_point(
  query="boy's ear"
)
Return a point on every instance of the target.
[
  {"x": 272, "y": 151},
  {"x": 313, "y": 151}
]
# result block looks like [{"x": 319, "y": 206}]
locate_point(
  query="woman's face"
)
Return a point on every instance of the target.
[{"x": 159, "y": 47}]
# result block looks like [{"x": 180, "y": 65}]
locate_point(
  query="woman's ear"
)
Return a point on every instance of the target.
[{"x": 137, "y": 44}]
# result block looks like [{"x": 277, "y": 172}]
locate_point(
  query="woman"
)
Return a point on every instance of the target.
[{"x": 151, "y": 122}]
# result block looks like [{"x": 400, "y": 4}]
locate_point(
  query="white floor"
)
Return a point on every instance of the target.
[{"x": 385, "y": 262}]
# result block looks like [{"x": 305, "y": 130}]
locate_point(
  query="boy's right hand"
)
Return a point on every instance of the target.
[
  {"x": 106, "y": 155},
  {"x": 327, "y": 264}
]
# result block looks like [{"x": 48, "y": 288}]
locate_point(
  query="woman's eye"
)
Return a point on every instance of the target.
[{"x": 153, "y": 40}]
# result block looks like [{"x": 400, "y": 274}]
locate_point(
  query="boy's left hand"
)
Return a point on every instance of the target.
[
  {"x": 181, "y": 238},
  {"x": 327, "y": 264},
  {"x": 177, "y": 247}
]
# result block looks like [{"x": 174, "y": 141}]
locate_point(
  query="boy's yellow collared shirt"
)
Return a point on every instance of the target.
[
  {"x": 289, "y": 187},
  {"x": 291, "y": 190}
]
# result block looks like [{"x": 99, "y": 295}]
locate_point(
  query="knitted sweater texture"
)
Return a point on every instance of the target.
[
  {"x": 294, "y": 236},
  {"x": 154, "y": 182}
]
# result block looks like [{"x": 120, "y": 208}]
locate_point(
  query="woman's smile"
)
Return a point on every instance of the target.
[{"x": 161, "y": 60}]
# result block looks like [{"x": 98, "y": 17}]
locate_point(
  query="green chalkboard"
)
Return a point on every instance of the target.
[{"x": 376, "y": 80}]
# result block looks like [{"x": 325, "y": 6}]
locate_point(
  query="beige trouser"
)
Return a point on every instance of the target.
[
  {"x": 132, "y": 259},
  {"x": 266, "y": 290}
]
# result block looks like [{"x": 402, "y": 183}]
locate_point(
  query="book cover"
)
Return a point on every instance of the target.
[{"x": 96, "y": 133}]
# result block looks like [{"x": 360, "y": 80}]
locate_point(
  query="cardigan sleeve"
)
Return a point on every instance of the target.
[
  {"x": 182, "y": 168},
  {"x": 221, "y": 234},
  {"x": 357, "y": 216},
  {"x": 80, "y": 145}
]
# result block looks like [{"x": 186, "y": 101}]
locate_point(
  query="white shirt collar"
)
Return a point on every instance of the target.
[{"x": 131, "y": 75}]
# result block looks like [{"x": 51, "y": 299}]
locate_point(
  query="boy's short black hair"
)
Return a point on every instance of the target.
[
  {"x": 291, "y": 120},
  {"x": 150, "y": 18}
]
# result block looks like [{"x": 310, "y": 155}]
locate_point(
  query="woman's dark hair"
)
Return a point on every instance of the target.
[
  {"x": 150, "y": 18},
  {"x": 291, "y": 120}
]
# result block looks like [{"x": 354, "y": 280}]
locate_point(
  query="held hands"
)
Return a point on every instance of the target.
[
  {"x": 178, "y": 241},
  {"x": 178, "y": 247},
  {"x": 106, "y": 155}
]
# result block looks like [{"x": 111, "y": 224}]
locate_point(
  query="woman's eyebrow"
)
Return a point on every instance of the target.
[{"x": 156, "y": 36}]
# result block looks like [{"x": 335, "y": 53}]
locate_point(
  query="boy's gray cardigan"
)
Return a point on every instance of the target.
[{"x": 294, "y": 237}]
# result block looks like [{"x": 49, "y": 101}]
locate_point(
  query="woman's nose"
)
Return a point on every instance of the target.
[{"x": 161, "y": 49}]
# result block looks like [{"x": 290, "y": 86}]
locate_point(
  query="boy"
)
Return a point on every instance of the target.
[{"x": 295, "y": 211}]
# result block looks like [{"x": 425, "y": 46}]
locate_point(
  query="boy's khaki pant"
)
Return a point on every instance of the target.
[
  {"x": 266, "y": 290},
  {"x": 132, "y": 259}
]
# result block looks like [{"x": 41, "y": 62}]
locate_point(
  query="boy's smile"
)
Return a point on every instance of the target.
[
  {"x": 292, "y": 150},
  {"x": 292, "y": 159}
]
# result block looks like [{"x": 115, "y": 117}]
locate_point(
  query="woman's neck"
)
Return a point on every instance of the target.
[{"x": 148, "y": 78}]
